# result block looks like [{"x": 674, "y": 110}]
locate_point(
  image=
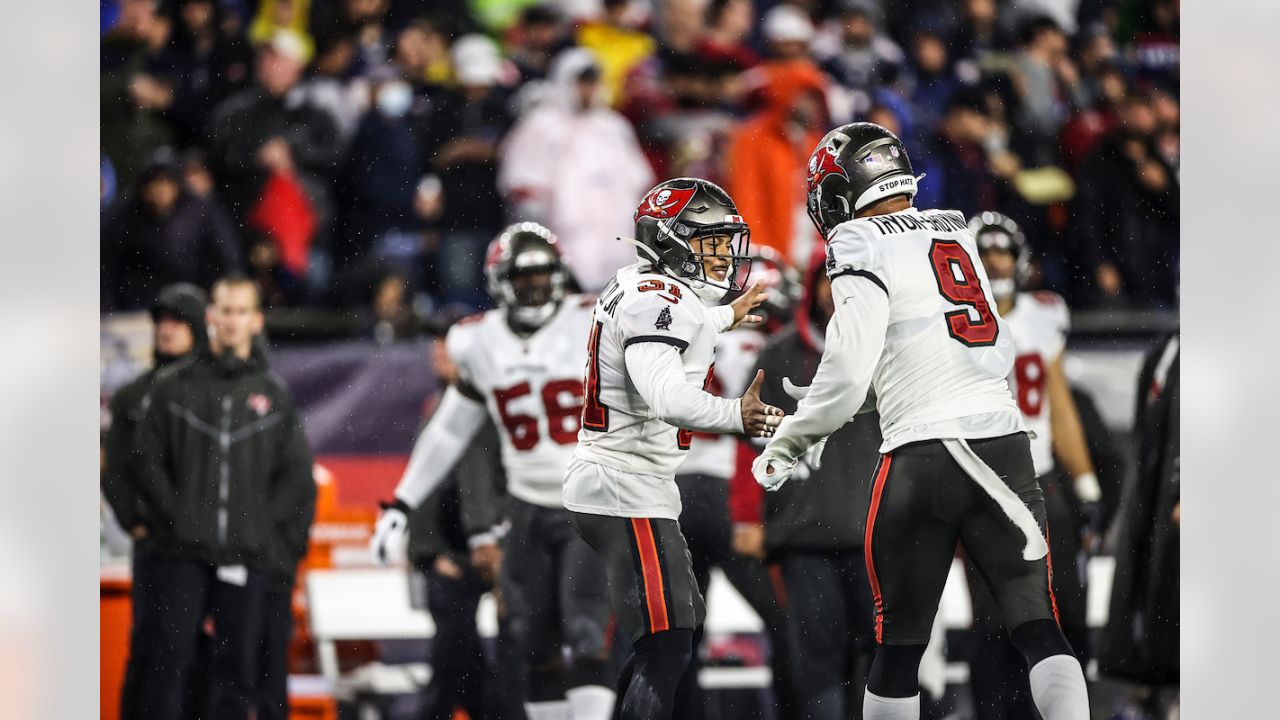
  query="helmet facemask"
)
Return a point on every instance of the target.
[
  {"x": 993, "y": 232},
  {"x": 532, "y": 287},
  {"x": 526, "y": 274}
]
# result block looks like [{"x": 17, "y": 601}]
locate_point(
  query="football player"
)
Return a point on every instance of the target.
[
  {"x": 915, "y": 319},
  {"x": 522, "y": 365},
  {"x": 1039, "y": 323},
  {"x": 649, "y": 358}
]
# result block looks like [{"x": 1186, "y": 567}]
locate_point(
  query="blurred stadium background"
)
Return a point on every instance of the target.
[{"x": 355, "y": 157}]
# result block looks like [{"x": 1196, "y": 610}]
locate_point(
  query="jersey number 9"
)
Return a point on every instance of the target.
[{"x": 958, "y": 281}]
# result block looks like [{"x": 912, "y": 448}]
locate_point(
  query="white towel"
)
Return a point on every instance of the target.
[{"x": 1004, "y": 496}]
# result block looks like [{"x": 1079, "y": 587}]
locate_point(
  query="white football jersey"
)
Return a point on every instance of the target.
[
  {"x": 947, "y": 352},
  {"x": 1039, "y": 322},
  {"x": 736, "y": 351},
  {"x": 532, "y": 387},
  {"x": 619, "y": 430}
]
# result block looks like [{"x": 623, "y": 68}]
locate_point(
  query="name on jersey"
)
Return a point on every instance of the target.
[
  {"x": 610, "y": 296},
  {"x": 904, "y": 222}
]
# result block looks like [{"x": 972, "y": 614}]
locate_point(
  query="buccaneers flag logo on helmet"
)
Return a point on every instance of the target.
[
  {"x": 665, "y": 202},
  {"x": 823, "y": 163}
]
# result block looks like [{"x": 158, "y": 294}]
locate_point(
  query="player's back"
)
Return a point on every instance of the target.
[
  {"x": 532, "y": 388},
  {"x": 618, "y": 427},
  {"x": 947, "y": 352}
]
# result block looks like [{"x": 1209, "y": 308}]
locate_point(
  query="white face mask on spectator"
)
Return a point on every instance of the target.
[{"x": 394, "y": 99}]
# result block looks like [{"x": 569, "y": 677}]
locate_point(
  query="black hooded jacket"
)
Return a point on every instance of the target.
[
  {"x": 825, "y": 512},
  {"x": 225, "y": 466},
  {"x": 120, "y": 467}
]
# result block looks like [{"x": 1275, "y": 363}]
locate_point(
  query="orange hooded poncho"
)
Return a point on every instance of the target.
[{"x": 765, "y": 170}]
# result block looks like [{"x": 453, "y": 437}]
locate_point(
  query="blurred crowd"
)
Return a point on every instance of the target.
[{"x": 362, "y": 153}]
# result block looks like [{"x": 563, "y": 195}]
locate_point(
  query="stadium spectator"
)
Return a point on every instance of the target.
[
  {"x": 1085, "y": 129},
  {"x": 535, "y": 40},
  {"x": 1153, "y": 29},
  {"x": 1167, "y": 136},
  {"x": 1049, "y": 88},
  {"x": 768, "y": 155},
  {"x": 332, "y": 88},
  {"x": 575, "y": 166},
  {"x": 724, "y": 40},
  {"x": 196, "y": 177},
  {"x": 932, "y": 77},
  {"x": 159, "y": 233},
  {"x": 275, "y": 161},
  {"x": 967, "y": 168},
  {"x": 1127, "y": 214},
  {"x": 458, "y": 142},
  {"x": 208, "y": 65},
  {"x": 854, "y": 50},
  {"x": 617, "y": 45},
  {"x": 225, "y": 476},
  {"x": 378, "y": 188},
  {"x": 273, "y": 16},
  {"x": 978, "y": 36},
  {"x": 364, "y": 21},
  {"x": 422, "y": 53},
  {"x": 137, "y": 87}
]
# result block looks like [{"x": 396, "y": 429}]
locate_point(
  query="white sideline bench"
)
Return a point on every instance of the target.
[{"x": 373, "y": 604}]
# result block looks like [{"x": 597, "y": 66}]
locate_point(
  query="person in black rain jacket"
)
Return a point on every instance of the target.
[{"x": 227, "y": 486}]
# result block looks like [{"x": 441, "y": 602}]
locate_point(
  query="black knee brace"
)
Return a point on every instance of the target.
[
  {"x": 895, "y": 671},
  {"x": 1039, "y": 639}
]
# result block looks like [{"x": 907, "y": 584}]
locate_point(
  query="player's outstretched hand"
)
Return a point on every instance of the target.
[
  {"x": 388, "y": 542},
  {"x": 748, "y": 301},
  {"x": 759, "y": 419}
]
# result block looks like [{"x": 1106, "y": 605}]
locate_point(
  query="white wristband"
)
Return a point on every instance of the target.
[{"x": 1087, "y": 487}]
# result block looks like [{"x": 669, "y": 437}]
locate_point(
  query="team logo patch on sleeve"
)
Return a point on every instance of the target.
[
  {"x": 664, "y": 320},
  {"x": 259, "y": 403}
]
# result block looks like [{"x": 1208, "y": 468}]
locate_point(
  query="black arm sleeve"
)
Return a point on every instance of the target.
[{"x": 482, "y": 482}]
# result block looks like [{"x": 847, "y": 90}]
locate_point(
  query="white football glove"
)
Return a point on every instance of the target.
[
  {"x": 390, "y": 535},
  {"x": 771, "y": 472}
]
